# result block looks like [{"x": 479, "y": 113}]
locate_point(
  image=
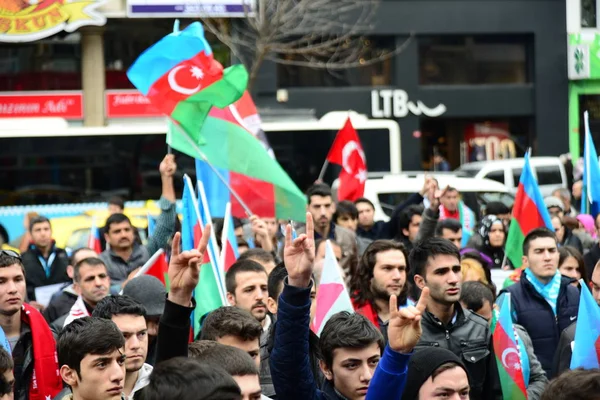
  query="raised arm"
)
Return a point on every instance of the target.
[
  {"x": 165, "y": 224},
  {"x": 184, "y": 275},
  {"x": 290, "y": 360},
  {"x": 404, "y": 332}
]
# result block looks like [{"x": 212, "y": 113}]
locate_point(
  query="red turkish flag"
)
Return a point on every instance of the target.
[{"x": 347, "y": 152}]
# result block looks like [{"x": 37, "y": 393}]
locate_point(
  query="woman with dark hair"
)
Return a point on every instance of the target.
[
  {"x": 571, "y": 264},
  {"x": 492, "y": 233}
]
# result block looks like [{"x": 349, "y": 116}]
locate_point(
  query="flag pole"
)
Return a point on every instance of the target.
[
  {"x": 323, "y": 168},
  {"x": 221, "y": 178}
]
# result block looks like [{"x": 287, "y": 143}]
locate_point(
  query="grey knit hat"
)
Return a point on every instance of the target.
[{"x": 149, "y": 291}]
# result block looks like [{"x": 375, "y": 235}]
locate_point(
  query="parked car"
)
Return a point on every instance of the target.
[
  {"x": 549, "y": 172},
  {"x": 389, "y": 190}
]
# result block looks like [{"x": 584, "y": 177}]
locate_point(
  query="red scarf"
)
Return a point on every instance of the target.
[
  {"x": 46, "y": 381},
  {"x": 367, "y": 311}
]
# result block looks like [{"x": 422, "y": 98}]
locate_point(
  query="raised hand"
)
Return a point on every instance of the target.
[
  {"x": 184, "y": 269},
  {"x": 261, "y": 232},
  {"x": 299, "y": 254},
  {"x": 434, "y": 197},
  {"x": 168, "y": 166},
  {"x": 404, "y": 329}
]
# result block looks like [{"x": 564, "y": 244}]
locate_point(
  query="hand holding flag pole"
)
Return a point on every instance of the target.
[{"x": 196, "y": 148}]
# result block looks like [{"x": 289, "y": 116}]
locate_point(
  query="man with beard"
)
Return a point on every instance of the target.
[
  {"x": 247, "y": 288},
  {"x": 125, "y": 254},
  {"x": 435, "y": 264},
  {"x": 381, "y": 273},
  {"x": 321, "y": 207}
]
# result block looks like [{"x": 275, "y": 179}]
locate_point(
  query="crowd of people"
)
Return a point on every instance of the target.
[{"x": 420, "y": 285}]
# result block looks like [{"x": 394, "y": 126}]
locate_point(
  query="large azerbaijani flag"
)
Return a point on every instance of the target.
[
  {"x": 245, "y": 164},
  {"x": 209, "y": 294},
  {"x": 508, "y": 358},
  {"x": 332, "y": 296},
  {"x": 180, "y": 77},
  {"x": 529, "y": 212}
]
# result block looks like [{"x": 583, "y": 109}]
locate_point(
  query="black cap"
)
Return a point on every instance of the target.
[{"x": 423, "y": 364}]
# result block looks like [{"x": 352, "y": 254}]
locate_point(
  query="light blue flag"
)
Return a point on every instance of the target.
[
  {"x": 590, "y": 198},
  {"x": 587, "y": 332}
]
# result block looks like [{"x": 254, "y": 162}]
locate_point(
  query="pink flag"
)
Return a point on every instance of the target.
[{"x": 332, "y": 296}]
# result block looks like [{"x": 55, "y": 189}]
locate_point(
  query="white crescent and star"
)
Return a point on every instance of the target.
[
  {"x": 505, "y": 354},
  {"x": 196, "y": 73},
  {"x": 349, "y": 148}
]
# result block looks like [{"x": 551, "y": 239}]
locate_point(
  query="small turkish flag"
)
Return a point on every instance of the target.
[{"x": 347, "y": 152}]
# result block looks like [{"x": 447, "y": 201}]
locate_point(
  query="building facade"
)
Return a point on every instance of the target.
[
  {"x": 478, "y": 79},
  {"x": 584, "y": 71}
]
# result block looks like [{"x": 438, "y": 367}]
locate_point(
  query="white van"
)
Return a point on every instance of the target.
[
  {"x": 390, "y": 190},
  {"x": 549, "y": 172}
]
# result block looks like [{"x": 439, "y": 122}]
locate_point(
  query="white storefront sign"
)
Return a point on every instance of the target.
[{"x": 389, "y": 103}]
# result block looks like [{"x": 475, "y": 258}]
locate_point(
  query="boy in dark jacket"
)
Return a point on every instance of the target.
[{"x": 351, "y": 346}]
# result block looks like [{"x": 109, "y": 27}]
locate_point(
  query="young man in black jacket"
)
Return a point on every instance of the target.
[
  {"x": 436, "y": 265},
  {"x": 45, "y": 264},
  {"x": 543, "y": 302}
]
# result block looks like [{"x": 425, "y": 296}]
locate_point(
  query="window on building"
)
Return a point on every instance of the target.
[
  {"x": 472, "y": 60},
  {"x": 378, "y": 74},
  {"x": 591, "y": 104},
  {"x": 48, "y": 64},
  {"x": 588, "y": 14},
  {"x": 120, "y": 54}
]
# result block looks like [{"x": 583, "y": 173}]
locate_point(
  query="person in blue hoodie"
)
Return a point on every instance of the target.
[{"x": 351, "y": 345}]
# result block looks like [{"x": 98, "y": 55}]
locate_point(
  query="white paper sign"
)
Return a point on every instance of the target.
[{"x": 43, "y": 294}]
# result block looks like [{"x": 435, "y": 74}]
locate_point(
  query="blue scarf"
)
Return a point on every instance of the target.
[{"x": 548, "y": 291}]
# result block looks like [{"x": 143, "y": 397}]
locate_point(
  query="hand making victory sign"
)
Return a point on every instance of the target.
[
  {"x": 184, "y": 269},
  {"x": 404, "y": 329},
  {"x": 299, "y": 254}
]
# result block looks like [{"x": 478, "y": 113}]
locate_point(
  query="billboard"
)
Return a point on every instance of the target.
[
  {"x": 31, "y": 20},
  {"x": 189, "y": 8}
]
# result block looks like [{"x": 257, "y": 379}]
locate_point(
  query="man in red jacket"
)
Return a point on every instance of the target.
[{"x": 381, "y": 274}]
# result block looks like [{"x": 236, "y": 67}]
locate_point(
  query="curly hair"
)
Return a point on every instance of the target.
[{"x": 360, "y": 284}]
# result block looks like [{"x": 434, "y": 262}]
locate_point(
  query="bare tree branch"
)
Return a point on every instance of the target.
[{"x": 320, "y": 34}]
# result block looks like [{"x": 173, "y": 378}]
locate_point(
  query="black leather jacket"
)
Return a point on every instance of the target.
[{"x": 468, "y": 336}]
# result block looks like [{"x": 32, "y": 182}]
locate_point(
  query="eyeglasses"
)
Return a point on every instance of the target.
[{"x": 11, "y": 253}]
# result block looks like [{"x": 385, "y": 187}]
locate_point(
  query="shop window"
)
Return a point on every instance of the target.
[
  {"x": 49, "y": 64},
  {"x": 591, "y": 104},
  {"x": 463, "y": 140},
  {"x": 378, "y": 74},
  {"x": 120, "y": 54},
  {"x": 588, "y": 14},
  {"x": 473, "y": 60}
]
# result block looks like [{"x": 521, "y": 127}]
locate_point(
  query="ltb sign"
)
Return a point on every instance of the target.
[{"x": 390, "y": 103}]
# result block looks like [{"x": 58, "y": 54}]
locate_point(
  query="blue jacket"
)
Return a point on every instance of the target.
[
  {"x": 290, "y": 362},
  {"x": 533, "y": 312}
]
